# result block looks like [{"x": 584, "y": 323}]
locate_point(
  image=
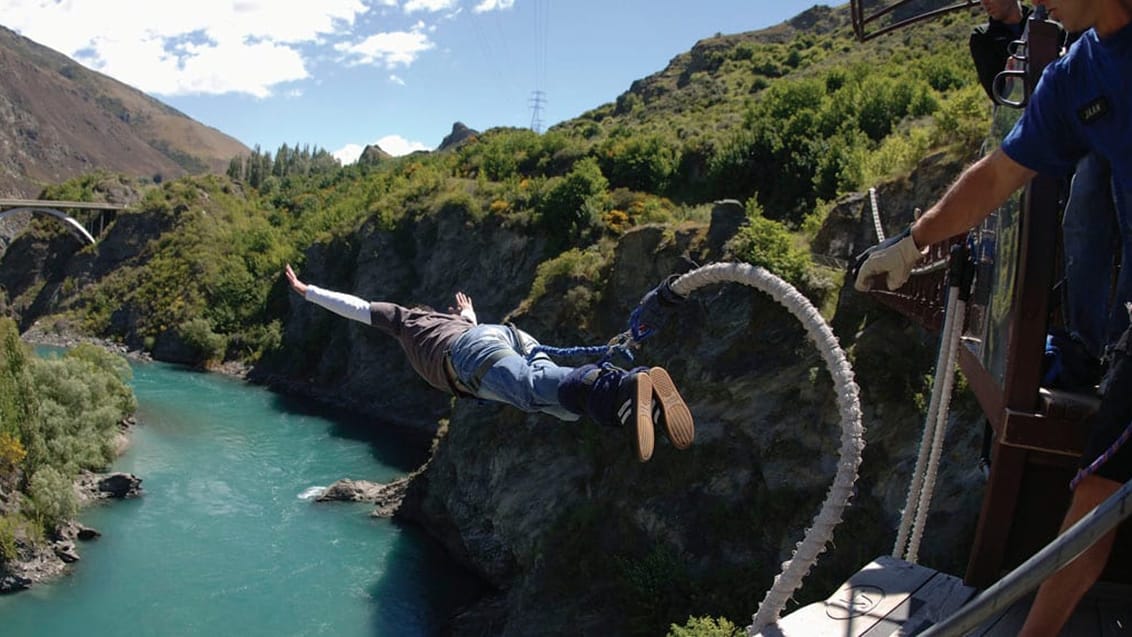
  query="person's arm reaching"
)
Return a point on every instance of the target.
[
  {"x": 342, "y": 304},
  {"x": 981, "y": 189}
]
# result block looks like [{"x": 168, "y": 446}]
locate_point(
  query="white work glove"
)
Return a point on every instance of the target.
[{"x": 893, "y": 257}]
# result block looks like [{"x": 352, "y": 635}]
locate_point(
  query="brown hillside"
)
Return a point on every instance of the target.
[{"x": 59, "y": 119}]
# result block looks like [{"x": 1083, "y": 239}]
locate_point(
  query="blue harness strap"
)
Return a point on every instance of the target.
[
  {"x": 606, "y": 352},
  {"x": 646, "y": 319}
]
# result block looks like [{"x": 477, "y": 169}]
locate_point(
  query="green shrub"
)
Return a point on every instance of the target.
[
  {"x": 53, "y": 497},
  {"x": 257, "y": 340},
  {"x": 9, "y": 524},
  {"x": 768, "y": 243},
  {"x": 896, "y": 155},
  {"x": 577, "y": 265},
  {"x": 706, "y": 627},
  {"x": 197, "y": 333},
  {"x": 573, "y": 205},
  {"x": 643, "y": 163},
  {"x": 964, "y": 119},
  {"x": 80, "y": 404}
]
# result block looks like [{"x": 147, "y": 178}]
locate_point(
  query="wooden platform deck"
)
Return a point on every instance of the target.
[{"x": 889, "y": 595}]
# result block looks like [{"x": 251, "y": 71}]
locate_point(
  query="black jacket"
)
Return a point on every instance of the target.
[{"x": 989, "y": 48}]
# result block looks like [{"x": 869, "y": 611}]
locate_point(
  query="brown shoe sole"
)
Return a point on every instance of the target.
[
  {"x": 677, "y": 417},
  {"x": 641, "y": 419}
]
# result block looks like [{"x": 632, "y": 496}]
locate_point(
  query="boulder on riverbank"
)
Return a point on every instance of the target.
[
  {"x": 386, "y": 497},
  {"x": 101, "y": 486}
]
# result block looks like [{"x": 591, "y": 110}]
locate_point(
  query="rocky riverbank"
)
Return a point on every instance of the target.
[{"x": 38, "y": 561}]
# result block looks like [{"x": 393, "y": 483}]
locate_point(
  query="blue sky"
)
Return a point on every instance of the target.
[{"x": 340, "y": 74}]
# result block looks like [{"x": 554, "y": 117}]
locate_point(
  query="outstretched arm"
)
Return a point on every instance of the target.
[{"x": 342, "y": 304}]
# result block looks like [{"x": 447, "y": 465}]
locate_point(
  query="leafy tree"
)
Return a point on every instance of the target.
[
  {"x": 768, "y": 243},
  {"x": 198, "y": 334},
  {"x": 573, "y": 205},
  {"x": 80, "y": 406},
  {"x": 16, "y": 404},
  {"x": 53, "y": 497},
  {"x": 643, "y": 163}
]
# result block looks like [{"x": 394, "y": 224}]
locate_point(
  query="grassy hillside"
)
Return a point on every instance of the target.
[{"x": 63, "y": 119}]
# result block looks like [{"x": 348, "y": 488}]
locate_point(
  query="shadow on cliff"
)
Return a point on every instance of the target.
[{"x": 395, "y": 447}]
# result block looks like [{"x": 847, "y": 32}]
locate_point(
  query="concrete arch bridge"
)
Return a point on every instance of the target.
[{"x": 94, "y": 215}]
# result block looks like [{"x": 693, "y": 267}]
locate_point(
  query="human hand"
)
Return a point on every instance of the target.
[
  {"x": 652, "y": 312},
  {"x": 296, "y": 284},
  {"x": 463, "y": 302},
  {"x": 893, "y": 258}
]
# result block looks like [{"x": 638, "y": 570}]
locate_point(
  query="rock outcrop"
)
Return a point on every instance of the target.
[
  {"x": 102, "y": 486},
  {"x": 373, "y": 155},
  {"x": 386, "y": 497},
  {"x": 460, "y": 134},
  {"x": 37, "y": 561}
]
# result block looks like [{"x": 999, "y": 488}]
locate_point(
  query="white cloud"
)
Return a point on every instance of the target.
[
  {"x": 348, "y": 154},
  {"x": 389, "y": 49},
  {"x": 493, "y": 5},
  {"x": 393, "y": 144},
  {"x": 169, "y": 47},
  {"x": 396, "y": 79},
  {"x": 396, "y": 145},
  {"x": 432, "y": 6}
]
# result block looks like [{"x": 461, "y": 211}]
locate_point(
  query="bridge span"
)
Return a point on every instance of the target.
[{"x": 56, "y": 209}]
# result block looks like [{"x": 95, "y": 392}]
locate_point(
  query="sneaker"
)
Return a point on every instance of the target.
[
  {"x": 624, "y": 399},
  {"x": 670, "y": 410}
]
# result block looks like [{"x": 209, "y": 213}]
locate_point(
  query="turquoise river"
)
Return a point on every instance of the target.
[{"x": 226, "y": 540}]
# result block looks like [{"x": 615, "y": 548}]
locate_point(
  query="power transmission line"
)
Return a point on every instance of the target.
[{"x": 538, "y": 98}]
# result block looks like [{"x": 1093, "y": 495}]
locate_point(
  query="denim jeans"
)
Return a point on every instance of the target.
[
  {"x": 1096, "y": 205},
  {"x": 531, "y": 386}
]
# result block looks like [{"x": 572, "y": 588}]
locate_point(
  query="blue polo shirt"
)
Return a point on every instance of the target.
[{"x": 1082, "y": 103}]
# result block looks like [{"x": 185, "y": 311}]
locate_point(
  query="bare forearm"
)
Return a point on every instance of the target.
[{"x": 980, "y": 190}]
